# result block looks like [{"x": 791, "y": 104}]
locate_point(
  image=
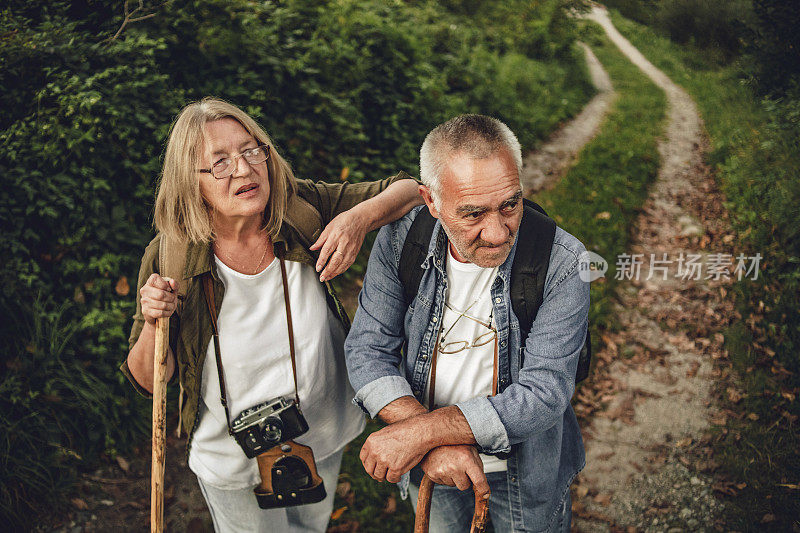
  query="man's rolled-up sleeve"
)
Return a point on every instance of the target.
[
  {"x": 373, "y": 346},
  {"x": 537, "y": 400},
  {"x": 486, "y": 425}
]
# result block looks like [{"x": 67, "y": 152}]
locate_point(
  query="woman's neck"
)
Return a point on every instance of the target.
[
  {"x": 240, "y": 245},
  {"x": 238, "y": 229}
]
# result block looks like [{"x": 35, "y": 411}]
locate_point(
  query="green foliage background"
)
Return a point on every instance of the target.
[{"x": 347, "y": 83}]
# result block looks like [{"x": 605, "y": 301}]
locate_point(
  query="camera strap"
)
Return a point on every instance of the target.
[{"x": 208, "y": 291}]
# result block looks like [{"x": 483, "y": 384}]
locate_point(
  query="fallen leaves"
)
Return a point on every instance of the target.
[
  {"x": 391, "y": 506},
  {"x": 719, "y": 419},
  {"x": 603, "y": 499},
  {"x": 79, "y": 504},
  {"x": 734, "y": 395},
  {"x": 623, "y": 411},
  {"x": 349, "y": 526},
  {"x": 343, "y": 488},
  {"x": 122, "y": 287},
  {"x": 729, "y": 488},
  {"x": 767, "y": 518},
  {"x": 123, "y": 464},
  {"x": 579, "y": 510},
  {"x": 345, "y": 491}
]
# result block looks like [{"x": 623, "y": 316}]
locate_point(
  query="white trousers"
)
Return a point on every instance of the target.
[{"x": 237, "y": 511}]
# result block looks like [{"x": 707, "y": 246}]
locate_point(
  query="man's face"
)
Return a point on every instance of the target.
[{"x": 481, "y": 206}]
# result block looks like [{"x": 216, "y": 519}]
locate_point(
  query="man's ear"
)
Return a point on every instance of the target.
[{"x": 425, "y": 192}]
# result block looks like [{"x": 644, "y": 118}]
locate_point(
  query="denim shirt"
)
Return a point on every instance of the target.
[{"x": 389, "y": 348}]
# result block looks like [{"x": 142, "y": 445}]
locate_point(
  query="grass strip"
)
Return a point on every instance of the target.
[
  {"x": 756, "y": 159},
  {"x": 600, "y": 197}
]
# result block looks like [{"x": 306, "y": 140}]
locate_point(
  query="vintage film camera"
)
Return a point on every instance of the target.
[{"x": 288, "y": 471}]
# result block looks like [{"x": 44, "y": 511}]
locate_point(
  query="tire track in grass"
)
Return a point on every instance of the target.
[
  {"x": 543, "y": 167},
  {"x": 645, "y": 444}
]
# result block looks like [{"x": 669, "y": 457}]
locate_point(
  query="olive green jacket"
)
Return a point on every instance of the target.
[{"x": 190, "y": 332}]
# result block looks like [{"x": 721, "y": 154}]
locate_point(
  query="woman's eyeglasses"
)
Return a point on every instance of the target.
[{"x": 225, "y": 167}]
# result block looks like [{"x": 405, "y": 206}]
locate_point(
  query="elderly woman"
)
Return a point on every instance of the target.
[{"x": 227, "y": 193}]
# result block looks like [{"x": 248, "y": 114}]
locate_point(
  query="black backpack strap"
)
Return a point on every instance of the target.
[
  {"x": 529, "y": 270},
  {"x": 415, "y": 248}
]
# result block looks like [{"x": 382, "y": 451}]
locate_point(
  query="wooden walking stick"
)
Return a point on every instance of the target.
[
  {"x": 423, "y": 518},
  {"x": 159, "y": 425},
  {"x": 171, "y": 259}
]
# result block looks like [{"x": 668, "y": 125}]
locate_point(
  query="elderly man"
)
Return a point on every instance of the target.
[{"x": 466, "y": 399}]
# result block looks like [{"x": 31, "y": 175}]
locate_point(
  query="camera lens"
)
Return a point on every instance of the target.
[{"x": 273, "y": 429}]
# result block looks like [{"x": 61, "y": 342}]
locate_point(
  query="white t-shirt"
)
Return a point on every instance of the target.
[
  {"x": 468, "y": 373},
  {"x": 254, "y": 342}
]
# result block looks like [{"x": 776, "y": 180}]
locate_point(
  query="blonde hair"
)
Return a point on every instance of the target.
[{"x": 180, "y": 211}]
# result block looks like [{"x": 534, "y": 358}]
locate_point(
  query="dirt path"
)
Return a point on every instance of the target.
[
  {"x": 544, "y": 167},
  {"x": 646, "y": 453}
]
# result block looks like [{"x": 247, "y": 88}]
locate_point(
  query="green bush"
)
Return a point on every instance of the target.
[
  {"x": 639, "y": 10},
  {"x": 713, "y": 25},
  {"x": 706, "y": 23},
  {"x": 774, "y": 46},
  {"x": 337, "y": 83}
]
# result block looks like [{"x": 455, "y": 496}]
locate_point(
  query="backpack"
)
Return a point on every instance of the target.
[{"x": 528, "y": 271}]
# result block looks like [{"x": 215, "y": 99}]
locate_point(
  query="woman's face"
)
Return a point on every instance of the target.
[{"x": 244, "y": 193}]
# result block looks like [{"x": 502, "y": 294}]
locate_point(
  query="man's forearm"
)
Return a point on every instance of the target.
[
  {"x": 401, "y": 409},
  {"x": 443, "y": 426},
  {"x": 395, "y": 449},
  {"x": 394, "y": 202}
]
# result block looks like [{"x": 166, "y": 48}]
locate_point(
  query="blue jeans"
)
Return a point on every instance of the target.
[
  {"x": 452, "y": 509},
  {"x": 236, "y": 511}
]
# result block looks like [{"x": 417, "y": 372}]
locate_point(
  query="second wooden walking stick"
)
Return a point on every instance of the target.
[{"x": 423, "y": 517}]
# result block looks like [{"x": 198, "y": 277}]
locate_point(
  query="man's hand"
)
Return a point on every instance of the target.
[
  {"x": 457, "y": 466},
  {"x": 394, "y": 450}
]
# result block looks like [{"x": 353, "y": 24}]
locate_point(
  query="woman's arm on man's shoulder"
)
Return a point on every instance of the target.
[{"x": 379, "y": 203}]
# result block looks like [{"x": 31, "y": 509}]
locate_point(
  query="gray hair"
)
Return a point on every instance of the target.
[{"x": 477, "y": 135}]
